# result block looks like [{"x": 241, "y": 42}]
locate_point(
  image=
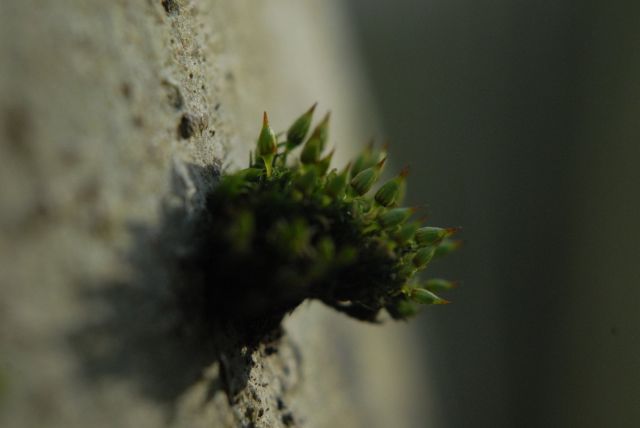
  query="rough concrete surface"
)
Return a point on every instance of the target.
[{"x": 113, "y": 113}]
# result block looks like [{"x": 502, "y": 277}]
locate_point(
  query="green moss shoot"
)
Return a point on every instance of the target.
[{"x": 289, "y": 227}]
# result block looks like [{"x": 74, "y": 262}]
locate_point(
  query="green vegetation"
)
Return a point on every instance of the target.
[{"x": 288, "y": 229}]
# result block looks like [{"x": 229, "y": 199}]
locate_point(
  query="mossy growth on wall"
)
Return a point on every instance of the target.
[{"x": 290, "y": 228}]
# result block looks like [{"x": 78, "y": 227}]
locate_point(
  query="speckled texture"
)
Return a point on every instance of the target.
[{"x": 111, "y": 115}]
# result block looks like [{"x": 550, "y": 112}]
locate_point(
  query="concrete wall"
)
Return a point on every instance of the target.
[{"x": 113, "y": 114}]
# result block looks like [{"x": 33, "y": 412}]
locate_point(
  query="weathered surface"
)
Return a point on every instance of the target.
[{"x": 115, "y": 116}]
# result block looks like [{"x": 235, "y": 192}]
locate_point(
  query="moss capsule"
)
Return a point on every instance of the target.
[{"x": 299, "y": 129}]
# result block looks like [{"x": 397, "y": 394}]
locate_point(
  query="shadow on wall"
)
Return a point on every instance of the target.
[{"x": 138, "y": 333}]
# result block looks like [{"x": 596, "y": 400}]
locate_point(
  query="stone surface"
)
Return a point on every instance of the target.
[{"x": 113, "y": 114}]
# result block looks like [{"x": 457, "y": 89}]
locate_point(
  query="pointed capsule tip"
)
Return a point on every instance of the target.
[
  {"x": 451, "y": 230},
  {"x": 380, "y": 164},
  {"x": 312, "y": 108},
  {"x": 404, "y": 172},
  {"x": 442, "y": 302},
  {"x": 346, "y": 168},
  {"x": 265, "y": 119}
]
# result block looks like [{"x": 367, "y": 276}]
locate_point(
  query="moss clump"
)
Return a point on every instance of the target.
[{"x": 285, "y": 230}]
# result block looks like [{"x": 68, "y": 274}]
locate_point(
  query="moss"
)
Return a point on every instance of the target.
[{"x": 288, "y": 229}]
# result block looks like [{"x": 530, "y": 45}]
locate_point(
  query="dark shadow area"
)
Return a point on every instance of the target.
[{"x": 140, "y": 330}]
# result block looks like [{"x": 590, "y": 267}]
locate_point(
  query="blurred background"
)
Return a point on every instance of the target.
[{"x": 520, "y": 123}]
